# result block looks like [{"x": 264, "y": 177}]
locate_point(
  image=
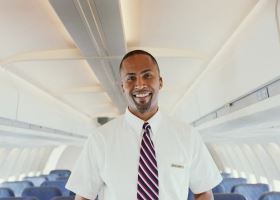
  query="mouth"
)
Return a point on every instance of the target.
[{"x": 142, "y": 96}]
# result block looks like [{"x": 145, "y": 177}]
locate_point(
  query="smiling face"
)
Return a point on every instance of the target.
[{"x": 141, "y": 83}]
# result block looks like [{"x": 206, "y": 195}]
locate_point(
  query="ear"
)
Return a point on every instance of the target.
[{"x": 160, "y": 82}]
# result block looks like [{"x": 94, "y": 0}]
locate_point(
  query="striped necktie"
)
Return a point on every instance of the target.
[{"x": 147, "y": 187}]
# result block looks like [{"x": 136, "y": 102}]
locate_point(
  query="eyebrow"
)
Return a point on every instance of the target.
[{"x": 143, "y": 72}]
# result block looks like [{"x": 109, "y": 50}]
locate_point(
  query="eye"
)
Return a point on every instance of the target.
[
  {"x": 148, "y": 76},
  {"x": 131, "y": 78}
]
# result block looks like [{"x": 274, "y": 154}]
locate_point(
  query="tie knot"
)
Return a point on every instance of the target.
[{"x": 146, "y": 126}]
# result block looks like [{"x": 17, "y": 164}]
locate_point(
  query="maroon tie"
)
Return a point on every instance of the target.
[{"x": 147, "y": 187}]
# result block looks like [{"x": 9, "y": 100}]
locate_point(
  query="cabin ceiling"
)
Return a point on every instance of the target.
[{"x": 71, "y": 49}]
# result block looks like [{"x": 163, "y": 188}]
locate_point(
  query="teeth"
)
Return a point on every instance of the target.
[{"x": 142, "y": 95}]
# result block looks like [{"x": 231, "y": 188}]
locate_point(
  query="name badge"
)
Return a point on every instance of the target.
[{"x": 177, "y": 166}]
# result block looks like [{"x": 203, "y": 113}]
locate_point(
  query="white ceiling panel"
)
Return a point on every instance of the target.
[
  {"x": 185, "y": 24},
  {"x": 56, "y": 77},
  {"x": 28, "y": 26},
  {"x": 179, "y": 73},
  {"x": 91, "y": 103}
]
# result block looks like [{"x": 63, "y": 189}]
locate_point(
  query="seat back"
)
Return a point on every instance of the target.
[
  {"x": 225, "y": 175},
  {"x": 19, "y": 198},
  {"x": 228, "y": 183},
  {"x": 6, "y": 192},
  {"x": 270, "y": 196},
  {"x": 36, "y": 180},
  {"x": 42, "y": 193},
  {"x": 218, "y": 189},
  {"x": 59, "y": 174},
  {"x": 17, "y": 186},
  {"x": 64, "y": 198},
  {"x": 251, "y": 191},
  {"x": 190, "y": 195},
  {"x": 60, "y": 184},
  {"x": 228, "y": 196}
]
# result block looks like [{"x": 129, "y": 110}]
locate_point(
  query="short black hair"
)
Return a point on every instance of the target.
[{"x": 137, "y": 52}]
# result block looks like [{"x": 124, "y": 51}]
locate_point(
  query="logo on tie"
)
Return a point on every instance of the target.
[{"x": 147, "y": 187}]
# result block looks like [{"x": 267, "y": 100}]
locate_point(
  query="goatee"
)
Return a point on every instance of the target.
[{"x": 142, "y": 108}]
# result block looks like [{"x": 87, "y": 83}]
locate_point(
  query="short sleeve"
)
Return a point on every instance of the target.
[
  {"x": 85, "y": 179},
  {"x": 204, "y": 174}
]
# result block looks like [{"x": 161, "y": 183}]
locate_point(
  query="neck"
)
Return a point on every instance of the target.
[{"x": 144, "y": 116}]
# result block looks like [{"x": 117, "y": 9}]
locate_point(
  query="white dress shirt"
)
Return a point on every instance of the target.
[{"x": 109, "y": 161}]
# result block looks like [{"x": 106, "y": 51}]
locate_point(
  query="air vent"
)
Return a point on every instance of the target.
[{"x": 269, "y": 90}]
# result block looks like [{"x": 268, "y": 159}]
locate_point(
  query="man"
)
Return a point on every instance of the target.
[{"x": 143, "y": 154}]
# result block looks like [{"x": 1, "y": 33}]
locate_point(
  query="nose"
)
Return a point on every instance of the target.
[{"x": 140, "y": 83}]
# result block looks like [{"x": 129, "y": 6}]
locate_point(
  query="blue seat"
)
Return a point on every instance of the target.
[
  {"x": 6, "y": 192},
  {"x": 36, "y": 180},
  {"x": 228, "y": 196},
  {"x": 64, "y": 198},
  {"x": 270, "y": 196},
  {"x": 225, "y": 175},
  {"x": 251, "y": 191},
  {"x": 62, "y": 172},
  {"x": 218, "y": 189},
  {"x": 215, "y": 190},
  {"x": 42, "y": 193},
  {"x": 60, "y": 184},
  {"x": 228, "y": 183},
  {"x": 53, "y": 177},
  {"x": 17, "y": 186},
  {"x": 19, "y": 198},
  {"x": 190, "y": 195},
  {"x": 59, "y": 174},
  {"x": 44, "y": 176}
]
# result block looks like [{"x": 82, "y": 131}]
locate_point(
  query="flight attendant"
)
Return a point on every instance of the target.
[{"x": 143, "y": 154}]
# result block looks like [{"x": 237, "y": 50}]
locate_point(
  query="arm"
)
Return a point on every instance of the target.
[
  {"x": 85, "y": 180},
  {"x": 208, "y": 195},
  {"x": 77, "y": 197}
]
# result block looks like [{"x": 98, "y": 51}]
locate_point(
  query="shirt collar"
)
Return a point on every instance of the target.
[{"x": 137, "y": 123}]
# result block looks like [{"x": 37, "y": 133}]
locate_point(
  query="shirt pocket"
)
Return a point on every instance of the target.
[{"x": 176, "y": 172}]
